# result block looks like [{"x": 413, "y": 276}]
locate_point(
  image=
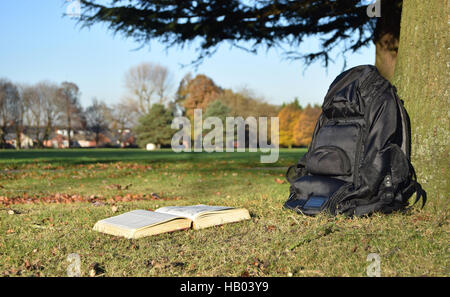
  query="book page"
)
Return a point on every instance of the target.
[
  {"x": 190, "y": 212},
  {"x": 138, "y": 219}
]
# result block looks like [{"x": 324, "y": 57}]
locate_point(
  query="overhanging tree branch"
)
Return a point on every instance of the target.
[{"x": 260, "y": 23}]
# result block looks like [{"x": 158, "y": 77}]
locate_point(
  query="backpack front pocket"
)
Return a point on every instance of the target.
[{"x": 329, "y": 160}]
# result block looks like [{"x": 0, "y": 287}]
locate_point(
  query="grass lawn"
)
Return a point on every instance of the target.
[{"x": 38, "y": 237}]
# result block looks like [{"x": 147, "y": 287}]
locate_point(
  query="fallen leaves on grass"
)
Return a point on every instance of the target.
[
  {"x": 33, "y": 266},
  {"x": 118, "y": 187},
  {"x": 60, "y": 198},
  {"x": 421, "y": 217},
  {"x": 152, "y": 264}
]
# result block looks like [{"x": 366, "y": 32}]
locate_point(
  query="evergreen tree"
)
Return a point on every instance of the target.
[
  {"x": 154, "y": 127},
  {"x": 217, "y": 109},
  {"x": 268, "y": 23}
]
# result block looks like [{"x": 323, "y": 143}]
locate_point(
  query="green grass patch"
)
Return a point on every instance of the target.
[{"x": 37, "y": 239}]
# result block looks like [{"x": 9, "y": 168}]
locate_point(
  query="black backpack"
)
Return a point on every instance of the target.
[{"x": 358, "y": 161}]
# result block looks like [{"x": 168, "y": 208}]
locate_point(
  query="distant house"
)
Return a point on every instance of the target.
[
  {"x": 130, "y": 141},
  {"x": 10, "y": 140},
  {"x": 79, "y": 138},
  {"x": 86, "y": 143},
  {"x": 57, "y": 141},
  {"x": 86, "y": 140},
  {"x": 26, "y": 142},
  {"x": 64, "y": 132},
  {"x": 122, "y": 138}
]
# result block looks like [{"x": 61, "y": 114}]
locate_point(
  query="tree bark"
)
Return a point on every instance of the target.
[
  {"x": 386, "y": 37},
  {"x": 421, "y": 77},
  {"x": 386, "y": 55},
  {"x": 69, "y": 126}
]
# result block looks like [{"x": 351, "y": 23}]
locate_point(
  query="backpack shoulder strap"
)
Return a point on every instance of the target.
[
  {"x": 406, "y": 126},
  {"x": 414, "y": 187}
]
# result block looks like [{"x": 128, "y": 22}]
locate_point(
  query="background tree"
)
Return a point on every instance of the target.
[
  {"x": 49, "y": 93},
  {"x": 9, "y": 108},
  {"x": 303, "y": 127},
  {"x": 181, "y": 92},
  {"x": 148, "y": 82},
  {"x": 217, "y": 109},
  {"x": 288, "y": 116},
  {"x": 33, "y": 101},
  {"x": 198, "y": 93},
  {"x": 243, "y": 103},
  {"x": 69, "y": 105},
  {"x": 154, "y": 127},
  {"x": 20, "y": 111},
  {"x": 124, "y": 116},
  {"x": 97, "y": 115}
]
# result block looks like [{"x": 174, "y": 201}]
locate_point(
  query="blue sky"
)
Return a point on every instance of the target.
[{"x": 38, "y": 43}]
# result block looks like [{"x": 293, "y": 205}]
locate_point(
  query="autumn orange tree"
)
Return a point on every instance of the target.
[
  {"x": 297, "y": 124},
  {"x": 288, "y": 116},
  {"x": 303, "y": 127},
  {"x": 244, "y": 104},
  {"x": 197, "y": 93}
]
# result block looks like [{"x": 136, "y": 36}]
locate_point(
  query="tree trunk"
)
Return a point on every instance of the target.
[
  {"x": 386, "y": 55},
  {"x": 47, "y": 131},
  {"x": 97, "y": 138},
  {"x": 386, "y": 37},
  {"x": 421, "y": 77},
  {"x": 18, "y": 137},
  {"x": 69, "y": 128}
]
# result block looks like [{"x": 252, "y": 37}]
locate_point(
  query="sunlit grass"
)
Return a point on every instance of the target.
[{"x": 37, "y": 238}]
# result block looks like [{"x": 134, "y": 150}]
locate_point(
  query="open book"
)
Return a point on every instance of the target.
[{"x": 141, "y": 223}]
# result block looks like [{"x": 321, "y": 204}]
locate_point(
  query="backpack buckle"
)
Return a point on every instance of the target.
[{"x": 388, "y": 192}]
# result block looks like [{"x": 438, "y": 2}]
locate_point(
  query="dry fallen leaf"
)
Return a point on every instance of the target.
[
  {"x": 98, "y": 203},
  {"x": 155, "y": 196},
  {"x": 280, "y": 181},
  {"x": 54, "y": 251},
  {"x": 270, "y": 228}
]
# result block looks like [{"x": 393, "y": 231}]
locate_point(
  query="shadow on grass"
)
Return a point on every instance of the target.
[{"x": 90, "y": 156}]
